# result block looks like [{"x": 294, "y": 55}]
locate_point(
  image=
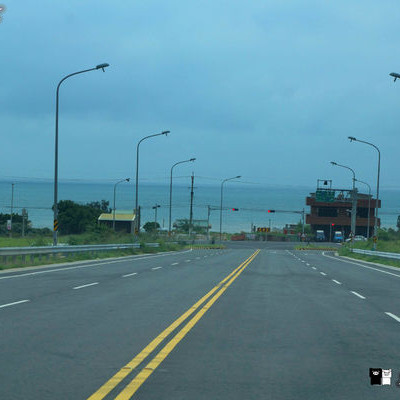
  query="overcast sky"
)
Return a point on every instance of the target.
[{"x": 264, "y": 89}]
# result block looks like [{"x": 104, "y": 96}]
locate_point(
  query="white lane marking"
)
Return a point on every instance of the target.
[
  {"x": 361, "y": 265},
  {"x": 334, "y": 280},
  {"x": 83, "y": 286},
  {"x": 393, "y": 316},
  {"x": 308, "y": 264},
  {"x": 133, "y": 273},
  {"x": 174, "y": 263},
  {"x": 14, "y": 303},
  {"x": 156, "y": 268},
  {"x": 314, "y": 268},
  {"x": 323, "y": 273},
  {"x": 358, "y": 295},
  {"x": 188, "y": 260},
  {"x": 124, "y": 259}
]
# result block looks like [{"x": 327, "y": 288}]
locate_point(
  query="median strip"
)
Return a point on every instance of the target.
[{"x": 103, "y": 391}]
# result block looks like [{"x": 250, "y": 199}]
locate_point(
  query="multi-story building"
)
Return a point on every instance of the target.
[{"x": 330, "y": 211}]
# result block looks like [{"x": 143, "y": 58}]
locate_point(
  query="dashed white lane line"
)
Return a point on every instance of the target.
[
  {"x": 302, "y": 261},
  {"x": 156, "y": 268},
  {"x": 323, "y": 273},
  {"x": 393, "y": 316},
  {"x": 358, "y": 295},
  {"x": 308, "y": 264},
  {"x": 188, "y": 260},
  {"x": 83, "y": 286},
  {"x": 133, "y": 273},
  {"x": 314, "y": 268},
  {"x": 174, "y": 263},
  {"x": 14, "y": 303},
  {"x": 334, "y": 280}
]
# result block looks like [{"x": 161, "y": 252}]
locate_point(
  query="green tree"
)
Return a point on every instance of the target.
[
  {"x": 77, "y": 218},
  {"x": 151, "y": 226},
  {"x": 181, "y": 225}
]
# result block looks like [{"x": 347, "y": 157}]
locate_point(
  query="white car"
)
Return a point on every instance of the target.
[{"x": 357, "y": 238}]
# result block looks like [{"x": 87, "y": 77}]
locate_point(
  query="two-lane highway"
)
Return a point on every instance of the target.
[{"x": 254, "y": 321}]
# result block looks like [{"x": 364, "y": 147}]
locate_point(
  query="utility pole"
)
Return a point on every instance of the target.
[
  {"x": 24, "y": 217},
  {"x": 12, "y": 205},
  {"x": 191, "y": 207},
  {"x": 208, "y": 222}
]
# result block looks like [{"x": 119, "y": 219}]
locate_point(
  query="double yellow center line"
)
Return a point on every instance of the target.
[{"x": 141, "y": 377}]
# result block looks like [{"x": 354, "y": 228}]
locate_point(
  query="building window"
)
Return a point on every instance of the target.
[{"x": 327, "y": 212}]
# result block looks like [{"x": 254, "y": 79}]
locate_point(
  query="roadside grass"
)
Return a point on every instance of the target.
[
  {"x": 36, "y": 260},
  {"x": 315, "y": 247},
  {"x": 205, "y": 246},
  {"x": 345, "y": 251}
]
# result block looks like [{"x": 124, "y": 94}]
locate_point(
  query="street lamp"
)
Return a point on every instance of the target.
[
  {"x": 155, "y": 215},
  {"x": 353, "y": 139},
  {"x": 220, "y": 211},
  {"x": 354, "y": 200},
  {"x": 137, "y": 227},
  {"x": 170, "y": 192},
  {"x": 395, "y": 75},
  {"x": 369, "y": 203},
  {"x": 55, "y": 207},
  {"x": 115, "y": 187}
]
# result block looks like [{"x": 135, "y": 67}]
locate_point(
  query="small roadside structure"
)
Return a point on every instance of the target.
[{"x": 123, "y": 222}]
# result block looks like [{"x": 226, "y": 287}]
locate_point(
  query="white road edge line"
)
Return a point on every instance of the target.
[
  {"x": 357, "y": 294},
  {"x": 323, "y": 273},
  {"x": 133, "y": 273},
  {"x": 334, "y": 280},
  {"x": 156, "y": 268},
  {"x": 361, "y": 265},
  {"x": 122, "y": 259},
  {"x": 14, "y": 303},
  {"x": 83, "y": 286},
  {"x": 393, "y": 316}
]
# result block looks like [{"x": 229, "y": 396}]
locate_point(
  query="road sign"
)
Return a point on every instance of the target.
[
  {"x": 325, "y": 196},
  {"x": 55, "y": 225},
  {"x": 9, "y": 224}
]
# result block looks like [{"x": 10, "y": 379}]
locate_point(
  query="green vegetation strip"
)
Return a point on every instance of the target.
[
  {"x": 60, "y": 258},
  {"x": 321, "y": 248},
  {"x": 345, "y": 251}
]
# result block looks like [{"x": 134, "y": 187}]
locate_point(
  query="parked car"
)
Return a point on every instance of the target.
[
  {"x": 338, "y": 237},
  {"x": 357, "y": 238},
  {"x": 320, "y": 236}
]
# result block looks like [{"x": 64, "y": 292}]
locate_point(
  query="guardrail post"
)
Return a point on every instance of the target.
[
  {"x": 4, "y": 259},
  {"x": 23, "y": 259}
]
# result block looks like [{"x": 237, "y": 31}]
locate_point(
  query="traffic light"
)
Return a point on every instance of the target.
[
  {"x": 235, "y": 209},
  {"x": 333, "y": 224},
  {"x": 271, "y": 211}
]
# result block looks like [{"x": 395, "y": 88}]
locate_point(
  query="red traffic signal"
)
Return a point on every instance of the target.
[
  {"x": 333, "y": 224},
  {"x": 271, "y": 211},
  {"x": 235, "y": 209}
]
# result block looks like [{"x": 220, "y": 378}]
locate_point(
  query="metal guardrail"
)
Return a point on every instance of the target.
[
  {"x": 385, "y": 254},
  {"x": 14, "y": 252}
]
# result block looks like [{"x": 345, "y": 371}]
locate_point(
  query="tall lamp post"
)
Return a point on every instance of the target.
[
  {"x": 220, "y": 210},
  {"x": 354, "y": 200},
  {"x": 137, "y": 227},
  {"x": 353, "y": 139},
  {"x": 115, "y": 189},
  {"x": 55, "y": 207},
  {"x": 155, "y": 216},
  {"x": 369, "y": 203},
  {"x": 170, "y": 193}
]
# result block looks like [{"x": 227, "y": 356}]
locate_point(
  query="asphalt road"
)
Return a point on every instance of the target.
[{"x": 255, "y": 321}]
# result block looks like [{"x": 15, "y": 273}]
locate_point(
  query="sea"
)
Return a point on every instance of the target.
[{"x": 252, "y": 202}]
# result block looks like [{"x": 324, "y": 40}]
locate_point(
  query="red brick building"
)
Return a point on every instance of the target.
[{"x": 333, "y": 206}]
